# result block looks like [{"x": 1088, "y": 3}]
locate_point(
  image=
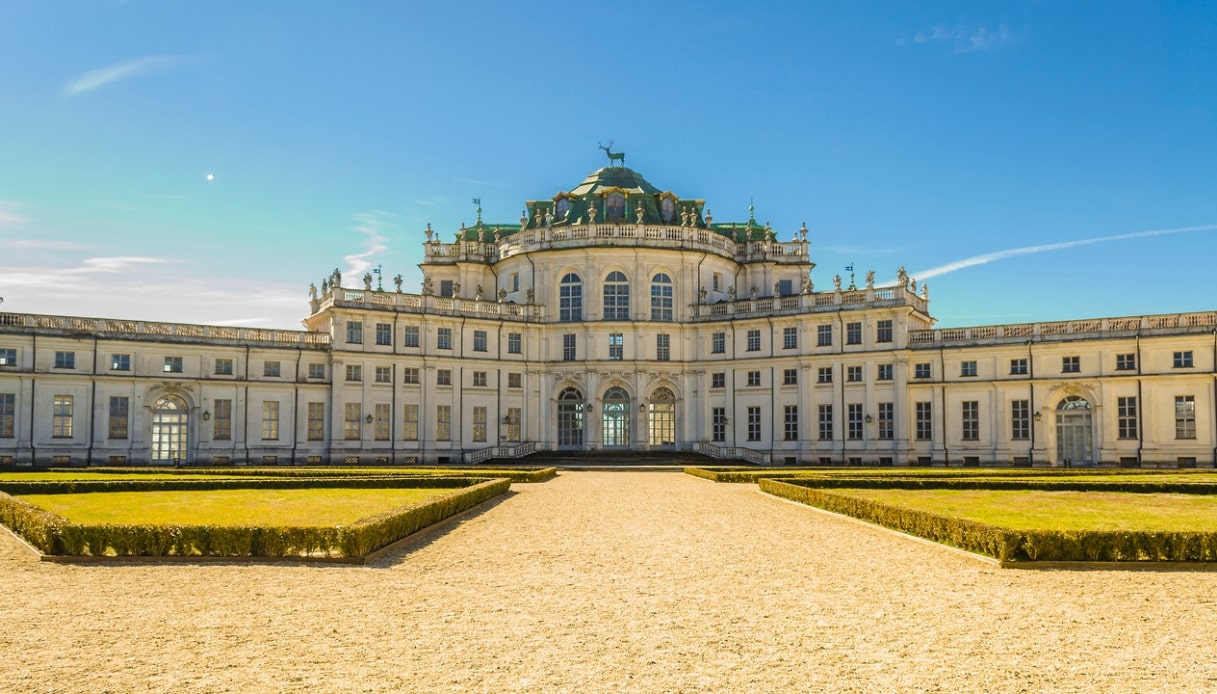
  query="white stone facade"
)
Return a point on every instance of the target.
[{"x": 638, "y": 332}]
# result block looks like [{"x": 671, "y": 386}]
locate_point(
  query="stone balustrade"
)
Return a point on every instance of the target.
[
  {"x": 619, "y": 234},
  {"x": 428, "y": 303},
  {"x": 1064, "y": 330},
  {"x": 136, "y": 329},
  {"x": 811, "y": 303}
]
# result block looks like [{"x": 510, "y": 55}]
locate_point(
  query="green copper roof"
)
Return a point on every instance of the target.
[{"x": 615, "y": 177}]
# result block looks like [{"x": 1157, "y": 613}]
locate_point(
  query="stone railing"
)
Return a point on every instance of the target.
[
  {"x": 427, "y": 303},
  {"x": 137, "y": 329},
  {"x": 810, "y": 303},
  {"x": 1063, "y": 330},
  {"x": 731, "y": 452},
  {"x": 616, "y": 234},
  {"x": 484, "y": 454}
]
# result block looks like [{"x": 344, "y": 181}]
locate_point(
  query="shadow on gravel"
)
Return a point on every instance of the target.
[{"x": 398, "y": 552}]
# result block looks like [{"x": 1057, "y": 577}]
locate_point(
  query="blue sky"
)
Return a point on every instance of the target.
[{"x": 914, "y": 134}]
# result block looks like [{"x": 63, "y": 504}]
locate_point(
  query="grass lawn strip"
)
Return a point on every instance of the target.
[
  {"x": 230, "y": 507},
  {"x": 1044, "y": 510}
]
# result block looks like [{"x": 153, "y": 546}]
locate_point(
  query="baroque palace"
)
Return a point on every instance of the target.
[{"x": 613, "y": 316}]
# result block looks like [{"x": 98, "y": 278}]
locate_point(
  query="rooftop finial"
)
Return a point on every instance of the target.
[
  {"x": 478, "y": 202},
  {"x": 613, "y": 156},
  {"x": 751, "y": 212}
]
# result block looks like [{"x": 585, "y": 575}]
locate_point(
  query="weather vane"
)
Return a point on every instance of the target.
[
  {"x": 478, "y": 202},
  {"x": 379, "y": 286},
  {"x": 850, "y": 269}
]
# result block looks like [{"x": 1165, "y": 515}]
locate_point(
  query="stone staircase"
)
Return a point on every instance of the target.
[{"x": 575, "y": 460}]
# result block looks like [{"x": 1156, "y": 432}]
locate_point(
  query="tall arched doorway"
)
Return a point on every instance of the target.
[
  {"x": 570, "y": 419},
  {"x": 615, "y": 418},
  {"x": 661, "y": 418},
  {"x": 1074, "y": 432},
  {"x": 169, "y": 429}
]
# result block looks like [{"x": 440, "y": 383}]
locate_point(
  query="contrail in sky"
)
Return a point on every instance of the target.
[{"x": 1028, "y": 250}]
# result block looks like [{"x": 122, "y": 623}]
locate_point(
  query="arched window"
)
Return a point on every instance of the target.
[
  {"x": 661, "y": 297},
  {"x": 615, "y": 417},
  {"x": 561, "y": 208},
  {"x": 661, "y": 417},
  {"x": 169, "y": 428},
  {"x": 570, "y": 298},
  {"x": 667, "y": 209},
  {"x": 570, "y": 418},
  {"x": 615, "y": 206},
  {"x": 616, "y": 296}
]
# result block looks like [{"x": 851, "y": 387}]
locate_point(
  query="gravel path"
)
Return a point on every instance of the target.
[{"x": 613, "y": 582}]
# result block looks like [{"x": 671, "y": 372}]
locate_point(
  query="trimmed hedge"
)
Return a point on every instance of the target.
[
  {"x": 513, "y": 474},
  {"x": 18, "y": 487},
  {"x": 55, "y": 535},
  {"x": 1032, "y": 484},
  {"x": 1005, "y": 544}
]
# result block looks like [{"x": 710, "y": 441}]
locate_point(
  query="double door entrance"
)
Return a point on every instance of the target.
[{"x": 616, "y": 416}]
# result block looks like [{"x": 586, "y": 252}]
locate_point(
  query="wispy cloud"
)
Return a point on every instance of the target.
[
  {"x": 964, "y": 39},
  {"x": 9, "y": 214},
  {"x": 1044, "y": 248},
  {"x": 41, "y": 245},
  {"x": 372, "y": 225},
  {"x": 117, "y": 72}
]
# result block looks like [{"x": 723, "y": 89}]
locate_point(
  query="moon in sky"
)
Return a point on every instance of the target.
[{"x": 211, "y": 177}]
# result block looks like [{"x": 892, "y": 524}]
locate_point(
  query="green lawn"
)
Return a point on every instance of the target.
[
  {"x": 272, "y": 507},
  {"x": 1032, "y": 510}
]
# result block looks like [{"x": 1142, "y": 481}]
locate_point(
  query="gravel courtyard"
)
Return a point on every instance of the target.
[{"x": 615, "y": 582}]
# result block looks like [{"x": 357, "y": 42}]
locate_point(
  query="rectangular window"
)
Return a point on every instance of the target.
[
  {"x": 61, "y": 417},
  {"x": 8, "y": 415},
  {"x": 1018, "y": 367},
  {"x": 515, "y": 343},
  {"x": 1126, "y": 418},
  {"x": 790, "y": 422},
  {"x": 823, "y": 335},
  {"x": 1185, "y": 416},
  {"x": 886, "y": 421},
  {"x": 8, "y": 357},
  {"x": 716, "y": 281},
  {"x": 1071, "y": 365},
  {"x": 970, "y": 420},
  {"x": 967, "y": 368},
  {"x": 754, "y": 340},
  {"x": 173, "y": 365},
  {"x": 354, "y": 372},
  {"x": 479, "y": 340},
  {"x": 1126, "y": 362},
  {"x": 512, "y": 430},
  {"x": 754, "y": 424},
  {"x": 616, "y": 348},
  {"x": 924, "y": 421},
  {"x": 316, "y": 421},
  {"x": 384, "y": 374},
  {"x": 65, "y": 360},
  {"x": 854, "y": 422},
  {"x": 883, "y": 331},
  {"x": 271, "y": 369},
  {"x": 316, "y": 370},
  {"x": 514, "y": 380},
  {"x": 825, "y": 420},
  {"x": 853, "y": 374},
  {"x": 352, "y": 427},
  {"x": 790, "y": 338},
  {"x": 221, "y": 429},
  {"x": 663, "y": 347},
  {"x": 381, "y": 426},
  {"x": 223, "y": 367},
  {"x": 921, "y": 370},
  {"x": 354, "y": 332},
  {"x": 270, "y": 420},
  {"x": 446, "y": 287},
  {"x": 718, "y": 380},
  {"x": 1020, "y": 420},
  {"x": 785, "y": 287},
  {"x": 443, "y": 423},
  {"x": 754, "y": 378},
  {"x": 443, "y": 338},
  {"x": 120, "y": 408},
  {"x": 884, "y": 373},
  {"x": 443, "y": 377},
  {"x": 568, "y": 347},
  {"x": 411, "y": 375},
  {"x": 515, "y": 281},
  {"x": 384, "y": 333},
  {"x": 1182, "y": 360},
  {"x": 718, "y": 424},
  {"x": 824, "y": 374},
  {"x": 410, "y": 339},
  {"x": 790, "y": 377},
  {"x": 118, "y": 362},
  {"x": 479, "y": 379},
  {"x": 409, "y": 423},
  {"x": 853, "y": 333},
  {"x": 479, "y": 424},
  {"x": 718, "y": 343}
]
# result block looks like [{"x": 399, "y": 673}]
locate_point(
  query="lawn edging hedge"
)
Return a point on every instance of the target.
[
  {"x": 533, "y": 474},
  {"x": 1004, "y": 544},
  {"x": 55, "y": 535}
]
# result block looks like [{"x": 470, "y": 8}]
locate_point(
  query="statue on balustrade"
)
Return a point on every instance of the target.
[
  {"x": 312, "y": 291},
  {"x": 836, "y": 283},
  {"x": 367, "y": 281},
  {"x": 807, "y": 287},
  {"x": 397, "y": 279},
  {"x": 870, "y": 279}
]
